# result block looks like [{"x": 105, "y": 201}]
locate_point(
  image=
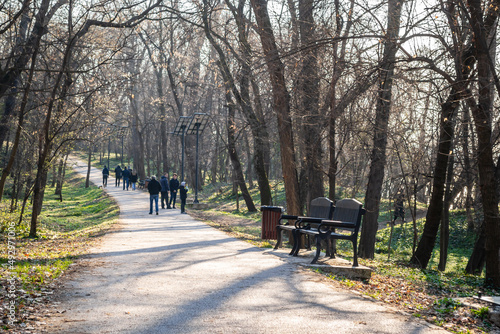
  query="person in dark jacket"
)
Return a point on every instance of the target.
[
  {"x": 183, "y": 189},
  {"x": 154, "y": 189},
  {"x": 399, "y": 209},
  {"x": 105, "y": 174},
  {"x": 118, "y": 175},
  {"x": 133, "y": 178},
  {"x": 174, "y": 186},
  {"x": 126, "y": 177},
  {"x": 164, "y": 191}
]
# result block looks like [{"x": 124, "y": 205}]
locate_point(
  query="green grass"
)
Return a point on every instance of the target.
[
  {"x": 222, "y": 200},
  {"x": 428, "y": 294},
  {"x": 65, "y": 230}
]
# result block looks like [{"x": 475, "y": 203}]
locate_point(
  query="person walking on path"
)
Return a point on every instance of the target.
[
  {"x": 174, "y": 186},
  {"x": 399, "y": 209},
  {"x": 105, "y": 174},
  {"x": 126, "y": 177},
  {"x": 154, "y": 188},
  {"x": 164, "y": 191},
  {"x": 118, "y": 175},
  {"x": 133, "y": 178},
  {"x": 183, "y": 189}
]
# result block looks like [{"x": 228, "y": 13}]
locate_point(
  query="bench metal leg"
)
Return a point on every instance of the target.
[
  {"x": 355, "y": 251},
  {"x": 279, "y": 232},
  {"x": 318, "y": 250},
  {"x": 296, "y": 243}
]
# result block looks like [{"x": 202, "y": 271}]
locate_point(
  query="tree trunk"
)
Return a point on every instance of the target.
[
  {"x": 378, "y": 156},
  {"x": 20, "y": 124},
  {"x": 238, "y": 171},
  {"x": 89, "y": 166},
  {"x": 482, "y": 114},
  {"x": 309, "y": 90},
  {"x": 444, "y": 238},
  {"x": 434, "y": 212},
  {"x": 281, "y": 101},
  {"x": 478, "y": 257},
  {"x": 26, "y": 49},
  {"x": 58, "y": 177},
  {"x": 468, "y": 169},
  {"x": 242, "y": 96}
]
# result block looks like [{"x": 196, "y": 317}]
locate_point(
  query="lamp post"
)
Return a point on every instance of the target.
[
  {"x": 180, "y": 130},
  {"x": 122, "y": 133},
  {"x": 109, "y": 146},
  {"x": 196, "y": 126}
]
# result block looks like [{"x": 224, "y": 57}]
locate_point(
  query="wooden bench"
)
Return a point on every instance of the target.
[
  {"x": 346, "y": 217},
  {"x": 321, "y": 208}
]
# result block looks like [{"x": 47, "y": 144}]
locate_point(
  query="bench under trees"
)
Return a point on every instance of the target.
[
  {"x": 344, "y": 225},
  {"x": 321, "y": 208}
]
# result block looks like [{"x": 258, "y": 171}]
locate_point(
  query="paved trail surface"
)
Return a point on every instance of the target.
[{"x": 172, "y": 274}]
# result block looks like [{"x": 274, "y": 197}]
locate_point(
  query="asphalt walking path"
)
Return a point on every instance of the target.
[{"x": 173, "y": 274}]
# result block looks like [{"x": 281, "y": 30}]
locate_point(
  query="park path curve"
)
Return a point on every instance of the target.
[{"x": 173, "y": 274}]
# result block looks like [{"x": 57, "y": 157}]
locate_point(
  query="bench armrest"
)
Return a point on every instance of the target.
[
  {"x": 327, "y": 225},
  {"x": 287, "y": 217},
  {"x": 305, "y": 222}
]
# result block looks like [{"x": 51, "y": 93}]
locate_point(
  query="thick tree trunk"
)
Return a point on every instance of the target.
[
  {"x": 20, "y": 123},
  {"x": 378, "y": 156},
  {"x": 477, "y": 259},
  {"x": 58, "y": 177},
  {"x": 235, "y": 160},
  {"x": 434, "y": 212},
  {"x": 45, "y": 141},
  {"x": 242, "y": 96},
  {"x": 26, "y": 49},
  {"x": 482, "y": 114},
  {"x": 138, "y": 144},
  {"x": 309, "y": 91},
  {"x": 38, "y": 190},
  {"x": 281, "y": 100}
]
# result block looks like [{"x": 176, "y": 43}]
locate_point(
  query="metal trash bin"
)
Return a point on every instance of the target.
[{"x": 270, "y": 218}]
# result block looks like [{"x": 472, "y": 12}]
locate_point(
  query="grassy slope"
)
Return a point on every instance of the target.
[{"x": 66, "y": 230}]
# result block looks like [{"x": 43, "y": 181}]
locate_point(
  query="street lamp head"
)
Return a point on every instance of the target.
[
  {"x": 181, "y": 125},
  {"x": 198, "y": 123}
]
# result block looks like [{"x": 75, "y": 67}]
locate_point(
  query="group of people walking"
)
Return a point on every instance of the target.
[
  {"x": 154, "y": 187},
  {"x": 128, "y": 175},
  {"x": 164, "y": 186}
]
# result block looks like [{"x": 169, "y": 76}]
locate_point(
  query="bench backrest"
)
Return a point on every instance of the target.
[
  {"x": 321, "y": 207},
  {"x": 349, "y": 210}
]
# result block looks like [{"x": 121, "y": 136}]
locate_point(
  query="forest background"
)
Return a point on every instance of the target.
[{"x": 337, "y": 98}]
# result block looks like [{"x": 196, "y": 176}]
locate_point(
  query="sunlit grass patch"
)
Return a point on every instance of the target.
[
  {"x": 428, "y": 294},
  {"x": 65, "y": 230}
]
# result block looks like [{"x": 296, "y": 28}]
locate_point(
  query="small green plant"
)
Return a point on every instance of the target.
[
  {"x": 446, "y": 305},
  {"x": 481, "y": 313}
]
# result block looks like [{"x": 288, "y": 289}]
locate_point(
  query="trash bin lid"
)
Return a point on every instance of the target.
[{"x": 271, "y": 208}]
